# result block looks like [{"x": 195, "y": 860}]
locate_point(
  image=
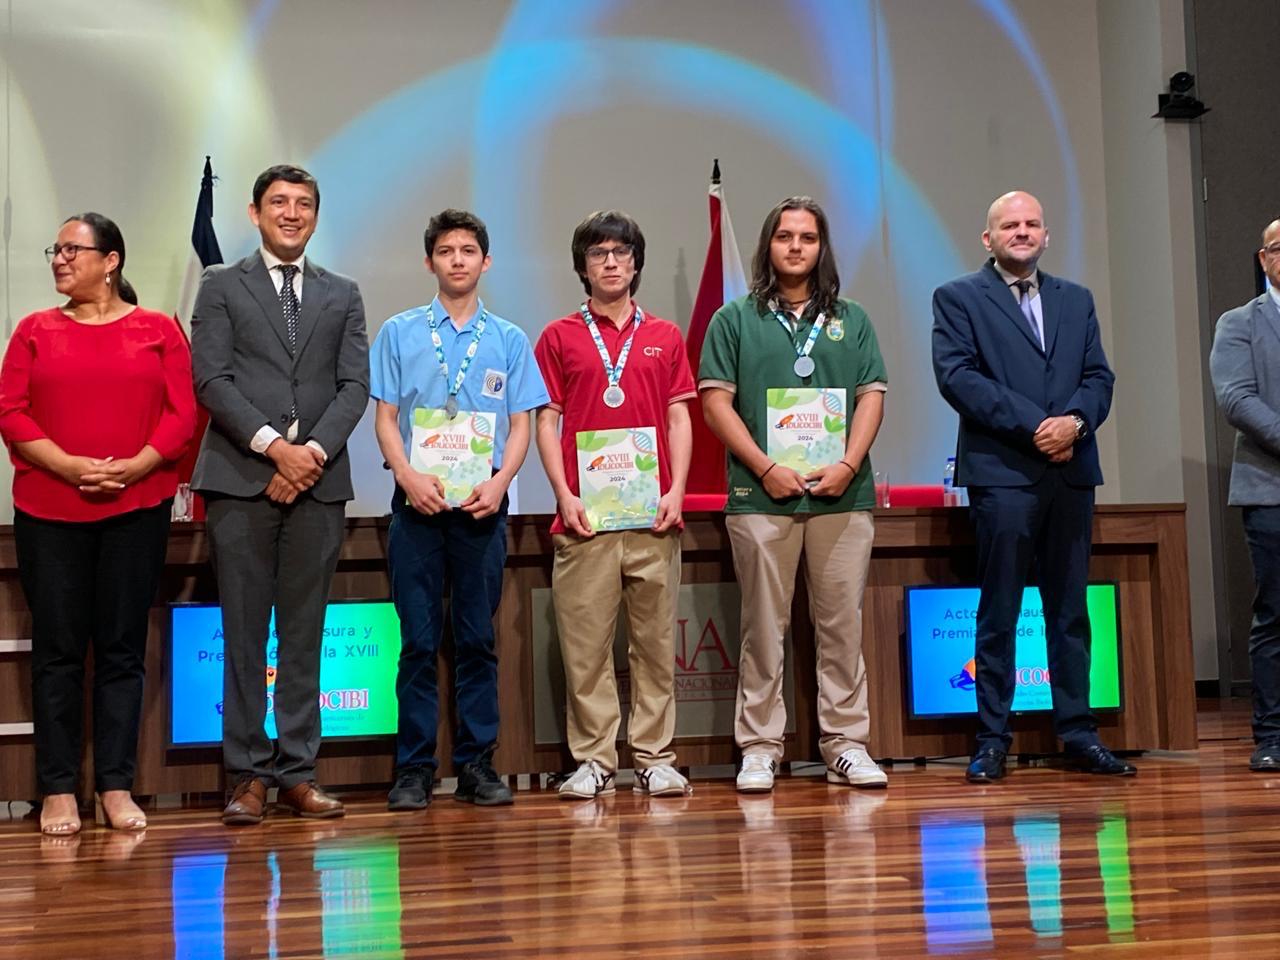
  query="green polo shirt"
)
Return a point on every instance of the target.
[{"x": 748, "y": 351}]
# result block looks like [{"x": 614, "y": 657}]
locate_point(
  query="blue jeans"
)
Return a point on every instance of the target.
[
  {"x": 427, "y": 555},
  {"x": 1262, "y": 531}
]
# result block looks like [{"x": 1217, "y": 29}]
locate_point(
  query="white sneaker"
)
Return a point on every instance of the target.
[
  {"x": 662, "y": 780},
  {"x": 855, "y": 768},
  {"x": 756, "y": 775},
  {"x": 589, "y": 781}
]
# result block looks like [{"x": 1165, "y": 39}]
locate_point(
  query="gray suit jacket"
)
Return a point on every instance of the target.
[
  {"x": 1245, "y": 366},
  {"x": 246, "y": 376}
]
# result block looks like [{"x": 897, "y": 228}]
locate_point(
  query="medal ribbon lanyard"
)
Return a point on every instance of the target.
[
  {"x": 451, "y": 405},
  {"x": 801, "y": 352},
  {"x": 612, "y": 371}
]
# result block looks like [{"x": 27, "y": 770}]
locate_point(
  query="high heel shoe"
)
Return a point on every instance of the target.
[
  {"x": 133, "y": 820},
  {"x": 66, "y": 825}
]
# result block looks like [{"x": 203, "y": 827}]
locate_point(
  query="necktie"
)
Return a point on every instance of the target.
[
  {"x": 1024, "y": 304},
  {"x": 289, "y": 304}
]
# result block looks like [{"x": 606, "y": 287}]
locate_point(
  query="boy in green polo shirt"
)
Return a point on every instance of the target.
[{"x": 793, "y": 383}]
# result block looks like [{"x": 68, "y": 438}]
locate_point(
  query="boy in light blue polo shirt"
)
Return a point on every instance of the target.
[{"x": 454, "y": 385}]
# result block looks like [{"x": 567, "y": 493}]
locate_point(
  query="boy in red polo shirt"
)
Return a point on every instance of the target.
[{"x": 621, "y": 381}]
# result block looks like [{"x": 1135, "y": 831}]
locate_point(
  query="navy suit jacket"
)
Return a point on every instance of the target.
[{"x": 991, "y": 369}]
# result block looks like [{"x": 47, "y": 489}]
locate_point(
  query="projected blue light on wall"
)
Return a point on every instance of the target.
[{"x": 504, "y": 108}]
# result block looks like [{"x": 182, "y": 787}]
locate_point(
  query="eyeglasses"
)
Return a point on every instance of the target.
[
  {"x": 69, "y": 251},
  {"x": 1272, "y": 249},
  {"x": 622, "y": 253}
]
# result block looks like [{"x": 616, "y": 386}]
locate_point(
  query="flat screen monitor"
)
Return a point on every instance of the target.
[
  {"x": 358, "y": 658},
  {"x": 940, "y": 628}
]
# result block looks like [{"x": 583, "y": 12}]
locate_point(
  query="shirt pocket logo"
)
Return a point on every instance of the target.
[{"x": 495, "y": 384}]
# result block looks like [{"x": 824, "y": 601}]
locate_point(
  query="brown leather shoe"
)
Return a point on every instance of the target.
[
  {"x": 248, "y": 803},
  {"x": 309, "y": 800}
]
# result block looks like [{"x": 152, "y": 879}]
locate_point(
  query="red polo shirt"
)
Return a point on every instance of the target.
[{"x": 657, "y": 375}]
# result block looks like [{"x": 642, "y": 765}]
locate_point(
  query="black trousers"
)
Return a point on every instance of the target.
[
  {"x": 1048, "y": 526},
  {"x": 89, "y": 584},
  {"x": 1262, "y": 531}
]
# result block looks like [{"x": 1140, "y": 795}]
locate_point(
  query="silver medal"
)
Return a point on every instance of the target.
[
  {"x": 614, "y": 397},
  {"x": 804, "y": 366},
  {"x": 451, "y": 407}
]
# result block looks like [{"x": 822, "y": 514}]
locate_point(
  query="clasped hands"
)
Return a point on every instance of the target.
[
  {"x": 1056, "y": 437},
  {"x": 298, "y": 467},
  {"x": 108, "y": 475},
  {"x": 782, "y": 483}
]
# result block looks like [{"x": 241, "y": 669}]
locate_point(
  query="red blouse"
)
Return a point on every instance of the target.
[{"x": 96, "y": 391}]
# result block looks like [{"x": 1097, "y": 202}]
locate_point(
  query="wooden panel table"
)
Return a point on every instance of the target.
[{"x": 1141, "y": 547}]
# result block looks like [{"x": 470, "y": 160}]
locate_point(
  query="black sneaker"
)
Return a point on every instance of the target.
[
  {"x": 478, "y": 784},
  {"x": 412, "y": 790}
]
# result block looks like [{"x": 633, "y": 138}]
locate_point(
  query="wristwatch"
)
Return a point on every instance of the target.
[{"x": 1081, "y": 427}]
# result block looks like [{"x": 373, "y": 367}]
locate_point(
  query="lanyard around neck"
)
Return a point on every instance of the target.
[
  {"x": 818, "y": 321},
  {"x": 467, "y": 358},
  {"x": 611, "y": 370}
]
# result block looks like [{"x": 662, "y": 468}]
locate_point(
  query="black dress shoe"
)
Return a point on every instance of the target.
[
  {"x": 1096, "y": 758},
  {"x": 1266, "y": 757},
  {"x": 987, "y": 766}
]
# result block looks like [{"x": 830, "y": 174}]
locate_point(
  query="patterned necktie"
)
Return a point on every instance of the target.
[
  {"x": 289, "y": 304},
  {"x": 1024, "y": 304}
]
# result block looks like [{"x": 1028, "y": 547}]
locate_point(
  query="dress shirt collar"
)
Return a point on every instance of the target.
[
  {"x": 1009, "y": 279},
  {"x": 1275, "y": 296},
  {"x": 272, "y": 261}
]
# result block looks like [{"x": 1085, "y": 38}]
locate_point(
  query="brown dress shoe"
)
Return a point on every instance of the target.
[
  {"x": 309, "y": 800},
  {"x": 248, "y": 803}
]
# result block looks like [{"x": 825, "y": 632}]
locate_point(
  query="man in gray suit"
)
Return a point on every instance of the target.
[
  {"x": 1245, "y": 366},
  {"x": 280, "y": 358}
]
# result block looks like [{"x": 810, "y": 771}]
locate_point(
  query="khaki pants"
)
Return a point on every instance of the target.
[
  {"x": 766, "y": 553},
  {"x": 590, "y": 580}
]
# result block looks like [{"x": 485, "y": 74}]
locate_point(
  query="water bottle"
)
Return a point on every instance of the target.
[{"x": 949, "y": 496}]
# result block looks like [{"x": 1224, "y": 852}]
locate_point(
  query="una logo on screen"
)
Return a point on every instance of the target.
[
  {"x": 1023, "y": 677},
  {"x": 965, "y": 679}
]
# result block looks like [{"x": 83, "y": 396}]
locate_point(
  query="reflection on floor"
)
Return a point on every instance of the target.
[{"x": 1181, "y": 861}]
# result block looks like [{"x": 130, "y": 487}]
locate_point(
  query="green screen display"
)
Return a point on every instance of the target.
[{"x": 358, "y": 659}]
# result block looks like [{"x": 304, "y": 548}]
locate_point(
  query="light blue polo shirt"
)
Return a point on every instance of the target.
[{"x": 503, "y": 378}]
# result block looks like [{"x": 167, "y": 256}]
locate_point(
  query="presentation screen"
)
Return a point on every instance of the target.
[
  {"x": 941, "y": 624},
  {"x": 358, "y": 658}
]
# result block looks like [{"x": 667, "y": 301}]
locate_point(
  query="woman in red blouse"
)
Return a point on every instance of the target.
[{"x": 96, "y": 407}]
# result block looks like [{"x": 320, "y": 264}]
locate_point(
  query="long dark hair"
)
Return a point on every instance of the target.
[
  {"x": 824, "y": 282},
  {"x": 108, "y": 239}
]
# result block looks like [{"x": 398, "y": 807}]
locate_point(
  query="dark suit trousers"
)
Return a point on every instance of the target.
[
  {"x": 89, "y": 584},
  {"x": 1047, "y": 526},
  {"x": 265, "y": 553},
  {"x": 1262, "y": 531}
]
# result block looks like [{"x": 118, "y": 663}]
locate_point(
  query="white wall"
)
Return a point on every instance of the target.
[{"x": 1159, "y": 340}]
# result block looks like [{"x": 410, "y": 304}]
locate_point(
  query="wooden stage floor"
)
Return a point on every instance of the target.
[{"x": 1181, "y": 861}]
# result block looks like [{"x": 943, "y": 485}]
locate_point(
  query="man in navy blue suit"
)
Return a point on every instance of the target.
[{"x": 1017, "y": 353}]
